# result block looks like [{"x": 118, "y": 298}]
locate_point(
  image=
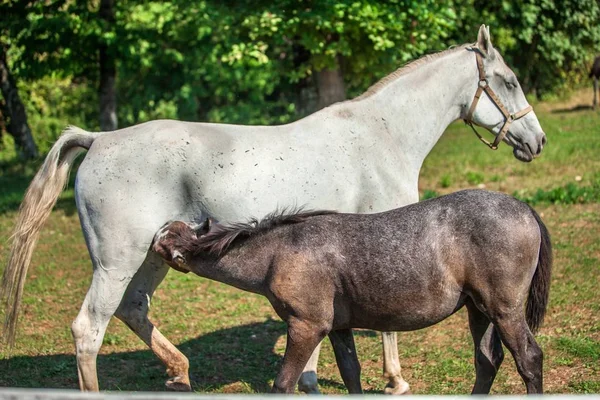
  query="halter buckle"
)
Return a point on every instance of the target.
[{"x": 483, "y": 83}]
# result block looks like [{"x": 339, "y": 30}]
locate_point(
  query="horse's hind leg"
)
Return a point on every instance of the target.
[
  {"x": 133, "y": 311},
  {"x": 102, "y": 299},
  {"x": 488, "y": 350},
  {"x": 391, "y": 365},
  {"x": 347, "y": 361},
  {"x": 528, "y": 356}
]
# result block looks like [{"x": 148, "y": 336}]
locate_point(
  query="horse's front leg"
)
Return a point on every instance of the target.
[
  {"x": 595, "y": 104},
  {"x": 308, "y": 380},
  {"x": 302, "y": 338},
  {"x": 391, "y": 365}
]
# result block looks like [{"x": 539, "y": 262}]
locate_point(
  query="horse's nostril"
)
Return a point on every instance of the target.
[{"x": 543, "y": 141}]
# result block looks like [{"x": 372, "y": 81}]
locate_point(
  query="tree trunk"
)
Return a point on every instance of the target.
[
  {"x": 108, "y": 73},
  {"x": 14, "y": 112},
  {"x": 3, "y": 121},
  {"x": 330, "y": 85}
]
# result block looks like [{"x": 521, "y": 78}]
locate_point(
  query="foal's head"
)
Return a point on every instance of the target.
[{"x": 177, "y": 243}]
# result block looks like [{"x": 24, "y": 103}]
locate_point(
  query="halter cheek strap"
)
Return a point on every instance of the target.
[{"x": 508, "y": 117}]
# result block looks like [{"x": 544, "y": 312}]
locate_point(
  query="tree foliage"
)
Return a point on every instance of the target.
[
  {"x": 255, "y": 62},
  {"x": 549, "y": 43}
]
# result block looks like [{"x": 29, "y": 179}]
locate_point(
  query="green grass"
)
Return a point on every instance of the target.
[
  {"x": 571, "y": 193},
  {"x": 235, "y": 341},
  {"x": 572, "y": 150}
]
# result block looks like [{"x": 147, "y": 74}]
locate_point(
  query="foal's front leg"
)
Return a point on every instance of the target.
[
  {"x": 347, "y": 361},
  {"x": 302, "y": 338},
  {"x": 391, "y": 365}
]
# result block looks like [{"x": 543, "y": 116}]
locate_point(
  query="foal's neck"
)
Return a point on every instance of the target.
[
  {"x": 417, "y": 105},
  {"x": 244, "y": 267}
]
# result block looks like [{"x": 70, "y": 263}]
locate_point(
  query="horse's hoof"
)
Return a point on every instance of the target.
[
  {"x": 178, "y": 384},
  {"x": 402, "y": 389},
  {"x": 308, "y": 383},
  {"x": 308, "y": 389}
]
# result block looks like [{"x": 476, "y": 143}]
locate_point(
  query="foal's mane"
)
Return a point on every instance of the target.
[
  {"x": 221, "y": 237},
  {"x": 408, "y": 68}
]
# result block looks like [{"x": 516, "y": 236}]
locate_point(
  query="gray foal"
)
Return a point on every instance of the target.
[{"x": 326, "y": 273}]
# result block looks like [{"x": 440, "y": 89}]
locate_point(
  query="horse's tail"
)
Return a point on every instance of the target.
[
  {"x": 539, "y": 290},
  {"x": 40, "y": 197}
]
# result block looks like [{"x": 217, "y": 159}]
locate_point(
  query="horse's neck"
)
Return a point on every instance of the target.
[{"x": 418, "y": 106}]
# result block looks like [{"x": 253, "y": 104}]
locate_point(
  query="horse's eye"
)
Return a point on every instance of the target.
[{"x": 510, "y": 85}]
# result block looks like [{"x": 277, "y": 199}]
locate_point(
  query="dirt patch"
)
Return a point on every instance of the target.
[{"x": 580, "y": 100}]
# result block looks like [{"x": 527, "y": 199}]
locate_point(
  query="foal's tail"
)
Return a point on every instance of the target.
[
  {"x": 40, "y": 197},
  {"x": 540, "y": 285}
]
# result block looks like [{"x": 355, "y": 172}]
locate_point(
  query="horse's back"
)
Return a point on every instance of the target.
[{"x": 165, "y": 169}]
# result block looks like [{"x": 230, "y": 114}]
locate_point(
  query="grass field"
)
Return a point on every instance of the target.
[{"x": 235, "y": 341}]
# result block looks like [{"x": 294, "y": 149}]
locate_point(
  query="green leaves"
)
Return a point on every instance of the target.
[
  {"x": 548, "y": 43},
  {"x": 256, "y": 61}
]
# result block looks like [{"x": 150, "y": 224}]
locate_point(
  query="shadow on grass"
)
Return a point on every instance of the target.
[
  {"x": 579, "y": 107},
  {"x": 239, "y": 356},
  {"x": 242, "y": 355}
]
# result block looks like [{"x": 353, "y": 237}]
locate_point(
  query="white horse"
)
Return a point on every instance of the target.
[{"x": 362, "y": 155}]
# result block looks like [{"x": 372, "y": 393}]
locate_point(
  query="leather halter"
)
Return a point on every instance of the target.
[{"x": 485, "y": 87}]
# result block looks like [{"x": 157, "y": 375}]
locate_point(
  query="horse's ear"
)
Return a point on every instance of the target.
[{"x": 484, "y": 43}]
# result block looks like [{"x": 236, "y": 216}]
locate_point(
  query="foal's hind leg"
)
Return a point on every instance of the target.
[
  {"x": 488, "y": 350},
  {"x": 345, "y": 356},
  {"x": 528, "y": 356},
  {"x": 133, "y": 311}
]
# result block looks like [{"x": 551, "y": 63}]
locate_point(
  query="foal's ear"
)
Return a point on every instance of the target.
[
  {"x": 484, "y": 43},
  {"x": 203, "y": 228}
]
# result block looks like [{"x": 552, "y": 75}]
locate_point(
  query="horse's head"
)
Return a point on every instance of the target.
[
  {"x": 500, "y": 104},
  {"x": 175, "y": 243}
]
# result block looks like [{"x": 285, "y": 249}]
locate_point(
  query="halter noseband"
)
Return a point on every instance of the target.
[{"x": 509, "y": 118}]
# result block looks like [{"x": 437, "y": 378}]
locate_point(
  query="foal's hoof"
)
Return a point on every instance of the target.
[
  {"x": 401, "y": 389},
  {"x": 178, "y": 384}
]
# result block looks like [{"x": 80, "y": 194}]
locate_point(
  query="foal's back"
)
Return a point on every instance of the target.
[{"x": 414, "y": 266}]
